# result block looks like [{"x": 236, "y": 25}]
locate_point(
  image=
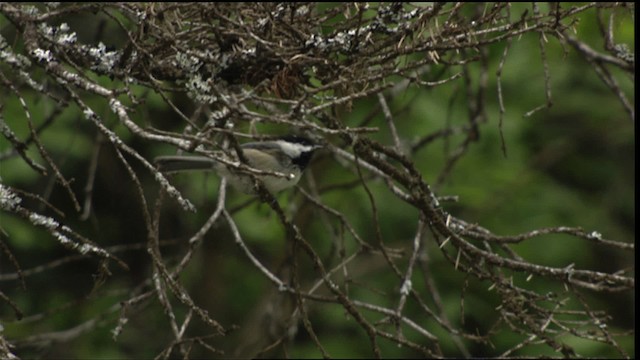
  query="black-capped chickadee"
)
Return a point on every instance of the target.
[{"x": 288, "y": 155}]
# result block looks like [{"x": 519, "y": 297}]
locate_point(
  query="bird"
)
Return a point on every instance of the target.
[{"x": 288, "y": 155}]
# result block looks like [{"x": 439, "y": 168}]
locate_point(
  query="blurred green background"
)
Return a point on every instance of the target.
[{"x": 569, "y": 165}]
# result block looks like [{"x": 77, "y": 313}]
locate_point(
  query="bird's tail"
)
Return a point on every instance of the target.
[{"x": 176, "y": 163}]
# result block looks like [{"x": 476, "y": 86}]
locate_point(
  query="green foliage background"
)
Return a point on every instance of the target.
[{"x": 572, "y": 164}]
